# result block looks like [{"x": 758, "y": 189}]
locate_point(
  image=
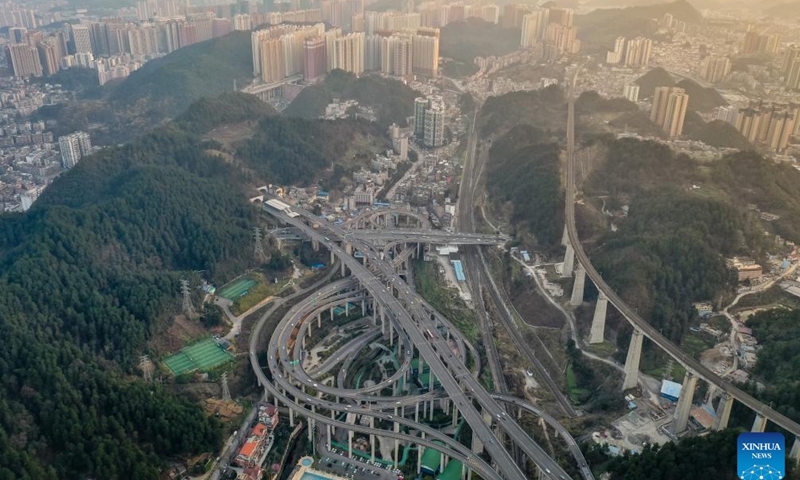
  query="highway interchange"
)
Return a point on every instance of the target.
[
  {"x": 374, "y": 280},
  {"x": 408, "y": 315},
  {"x": 416, "y": 331}
]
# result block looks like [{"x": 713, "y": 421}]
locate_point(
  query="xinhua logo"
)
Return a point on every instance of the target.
[{"x": 762, "y": 456}]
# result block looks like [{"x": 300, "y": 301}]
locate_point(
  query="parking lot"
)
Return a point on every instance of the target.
[{"x": 336, "y": 462}]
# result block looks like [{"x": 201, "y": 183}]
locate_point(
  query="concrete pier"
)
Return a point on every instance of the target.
[
  {"x": 632, "y": 361},
  {"x": 759, "y": 424},
  {"x": 723, "y": 412},
  {"x": 597, "y": 332},
  {"x": 684, "y": 403},
  {"x": 794, "y": 453},
  {"x": 569, "y": 262},
  {"x": 578, "y": 286}
]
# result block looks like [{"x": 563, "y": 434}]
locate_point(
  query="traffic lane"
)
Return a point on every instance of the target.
[
  {"x": 501, "y": 456},
  {"x": 528, "y": 445}
]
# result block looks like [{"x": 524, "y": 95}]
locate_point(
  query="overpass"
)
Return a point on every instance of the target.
[
  {"x": 406, "y": 313},
  {"x": 695, "y": 370},
  {"x": 385, "y": 217}
]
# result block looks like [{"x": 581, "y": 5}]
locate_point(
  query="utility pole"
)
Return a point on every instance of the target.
[
  {"x": 226, "y": 393},
  {"x": 188, "y": 309},
  {"x": 259, "y": 248}
]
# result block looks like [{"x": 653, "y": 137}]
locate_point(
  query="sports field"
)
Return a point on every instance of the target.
[
  {"x": 203, "y": 355},
  {"x": 236, "y": 288}
]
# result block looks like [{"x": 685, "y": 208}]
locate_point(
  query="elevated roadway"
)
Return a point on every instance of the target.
[
  {"x": 434, "y": 351},
  {"x": 574, "y": 449},
  {"x": 692, "y": 366}
]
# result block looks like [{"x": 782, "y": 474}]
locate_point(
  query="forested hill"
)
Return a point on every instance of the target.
[
  {"x": 155, "y": 93},
  {"x": 230, "y": 107},
  {"x": 92, "y": 270},
  {"x": 85, "y": 276},
  {"x": 166, "y": 86},
  {"x": 695, "y": 458},
  {"x": 544, "y": 108},
  {"x": 392, "y": 100},
  {"x": 523, "y": 170},
  {"x": 684, "y": 219},
  {"x": 599, "y": 28},
  {"x": 463, "y": 41}
]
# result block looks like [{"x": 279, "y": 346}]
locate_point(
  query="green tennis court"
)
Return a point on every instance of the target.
[
  {"x": 203, "y": 355},
  {"x": 236, "y": 288}
]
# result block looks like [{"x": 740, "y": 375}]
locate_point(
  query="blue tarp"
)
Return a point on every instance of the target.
[
  {"x": 459, "y": 270},
  {"x": 671, "y": 390}
]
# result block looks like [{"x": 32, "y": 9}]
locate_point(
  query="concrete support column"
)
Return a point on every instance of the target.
[
  {"x": 350, "y": 443},
  {"x": 310, "y": 329},
  {"x": 328, "y": 428},
  {"x": 419, "y": 455},
  {"x": 333, "y": 259},
  {"x": 712, "y": 390},
  {"x": 372, "y": 439},
  {"x": 396, "y": 442},
  {"x": 343, "y": 267},
  {"x": 311, "y": 431},
  {"x": 424, "y": 409},
  {"x": 348, "y": 248},
  {"x": 319, "y": 320},
  {"x": 430, "y": 412},
  {"x": 346, "y": 309},
  {"x": 391, "y": 335},
  {"x": 315, "y": 245},
  {"x": 760, "y": 423},
  {"x": 569, "y": 262},
  {"x": 578, "y": 286},
  {"x": 455, "y": 416},
  {"x": 565, "y": 237},
  {"x": 598, "y": 329},
  {"x": 794, "y": 453},
  {"x": 477, "y": 445},
  {"x": 723, "y": 412},
  {"x": 291, "y": 417},
  {"x": 684, "y": 403},
  {"x": 416, "y": 413},
  {"x": 632, "y": 361}
]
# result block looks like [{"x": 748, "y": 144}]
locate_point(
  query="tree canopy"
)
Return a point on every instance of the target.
[
  {"x": 86, "y": 275},
  {"x": 392, "y": 100},
  {"x": 525, "y": 172},
  {"x": 693, "y": 458}
]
